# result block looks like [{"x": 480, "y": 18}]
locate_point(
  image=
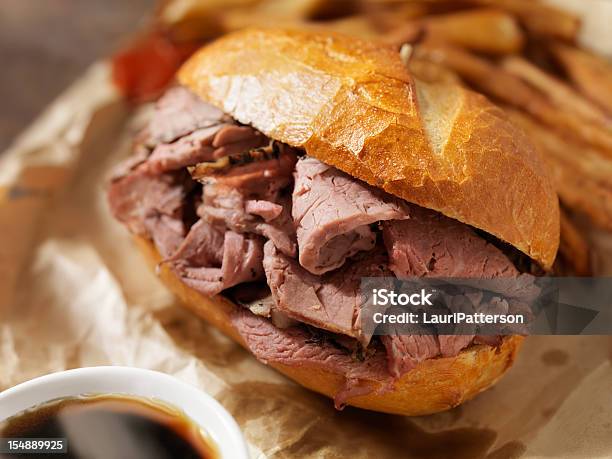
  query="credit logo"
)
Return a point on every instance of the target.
[{"x": 384, "y": 297}]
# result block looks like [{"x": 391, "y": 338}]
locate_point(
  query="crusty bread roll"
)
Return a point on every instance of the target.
[
  {"x": 352, "y": 104},
  {"x": 433, "y": 385}
]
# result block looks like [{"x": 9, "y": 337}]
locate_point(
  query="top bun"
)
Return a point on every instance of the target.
[{"x": 354, "y": 105}]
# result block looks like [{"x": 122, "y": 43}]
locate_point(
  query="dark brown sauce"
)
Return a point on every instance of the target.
[{"x": 111, "y": 427}]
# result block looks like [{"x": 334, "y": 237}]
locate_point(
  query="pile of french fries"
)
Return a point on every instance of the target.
[{"x": 522, "y": 54}]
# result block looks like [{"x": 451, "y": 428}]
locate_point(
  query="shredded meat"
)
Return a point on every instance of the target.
[
  {"x": 331, "y": 302},
  {"x": 432, "y": 245},
  {"x": 291, "y": 238},
  {"x": 238, "y": 197},
  {"x": 202, "y": 266},
  {"x": 295, "y": 346},
  {"x": 332, "y": 212}
]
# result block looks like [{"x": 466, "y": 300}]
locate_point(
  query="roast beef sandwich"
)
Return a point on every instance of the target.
[{"x": 284, "y": 166}]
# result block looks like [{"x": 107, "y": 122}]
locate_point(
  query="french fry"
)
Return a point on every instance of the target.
[
  {"x": 486, "y": 30},
  {"x": 583, "y": 159},
  {"x": 190, "y": 20},
  {"x": 431, "y": 72},
  {"x": 590, "y": 73},
  {"x": 425, "y": 70},
  {"x": 482, "y": 74},
  {"x": 562, "y": 95},
  {"x": 270, "y": 13},
  {"x": 583, "y": 176},
  {"x": 580, "y": 194},
  {"x": 206, "y": 19},
  {"x": 301, "y": 10},
  {"x": 410, "y": 32},
  {"x": 538, "y": 18},
  {"x": 358, "y": 26},
  {"x": 568, "y": 124},
  {"x": 389, "y": 15},
  {"x": 573, "y": 248}
]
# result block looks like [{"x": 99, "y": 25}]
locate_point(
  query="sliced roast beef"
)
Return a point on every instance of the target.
[
  {"x": 203, "y": 246},
  {"x": 296, "y": 346},
  {"x": 451, "y": 345},
  {"x": 489, "y": 340},
  {"x": 466, "y": 334},
  {"x": 178, "y": 113},
  {"x": 252, "y": 198},
  {"x": 332, "y": 301},
  {"x": 139, "y": 194},
  {"x": 265, "y": 209},
  {"x": 183, "y": 131},
  {"x": 167, "y": 233},
  {"x": 139, "y": 156},
  {"x": 248, "y": 196},
  {"x": 477, "y": 302},
  {"x": 404, "y": 352},
  {"x": 151, "y": 205},
  {"x": 206, "y": 144},
  {"x": 202, "y": 266},
  {"x": 333, "y": 211},
  {"x": 432, "y": 245},
  {"x": 256, "y": 297}
]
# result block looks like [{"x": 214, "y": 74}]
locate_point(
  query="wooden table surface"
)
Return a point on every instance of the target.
[{"x": 46, "y": 44}]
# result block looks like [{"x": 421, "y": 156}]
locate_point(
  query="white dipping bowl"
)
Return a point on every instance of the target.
[{"x": 204, "y": 410}]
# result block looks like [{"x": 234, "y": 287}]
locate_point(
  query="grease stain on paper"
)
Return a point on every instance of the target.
[{"x": 555, "y": 357}]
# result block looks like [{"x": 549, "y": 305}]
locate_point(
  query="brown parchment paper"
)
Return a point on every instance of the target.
[{"x": 74, "y": 292}]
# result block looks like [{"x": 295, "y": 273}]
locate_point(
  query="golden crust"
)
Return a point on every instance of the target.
[
  {"x": 434, "y": 385},
  {"x": 353, "y": 104}
]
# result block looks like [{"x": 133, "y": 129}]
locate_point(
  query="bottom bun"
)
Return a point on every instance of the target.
[{"x": 433, "y": 385}]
